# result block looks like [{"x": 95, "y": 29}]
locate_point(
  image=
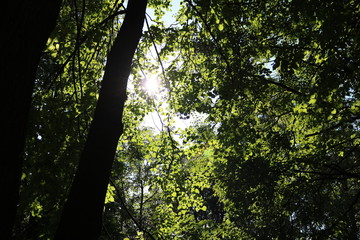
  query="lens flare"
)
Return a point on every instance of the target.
[{"x": 151, "y": 85}]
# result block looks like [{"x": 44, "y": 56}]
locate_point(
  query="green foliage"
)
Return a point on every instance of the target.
[
  {"x": 285, "y": 135},
  {"x": 64, "y": 98},
  {"x": 269, "y": 91}
]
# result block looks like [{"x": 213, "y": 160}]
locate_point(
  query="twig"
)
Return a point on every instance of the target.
[{"x": 122, "y": 201}]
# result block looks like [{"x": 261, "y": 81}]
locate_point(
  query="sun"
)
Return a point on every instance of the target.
[{"x": 151, "y": 84}]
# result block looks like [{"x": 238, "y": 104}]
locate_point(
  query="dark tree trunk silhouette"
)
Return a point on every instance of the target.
[
  {"x": 82, "y": 213},
  {"x": 25, "y": 28}
]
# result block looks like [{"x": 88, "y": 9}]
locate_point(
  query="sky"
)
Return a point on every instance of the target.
[{"x": 168, "y": 18}]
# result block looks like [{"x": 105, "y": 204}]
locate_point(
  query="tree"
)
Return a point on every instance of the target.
[
  {"x": 82, "y": 213},
  {"x": 276, "y": 86},
  {"x": 269, "y": 94},
  {"x": 66, "y": 86},
  {"x": 27, "y": 27}
]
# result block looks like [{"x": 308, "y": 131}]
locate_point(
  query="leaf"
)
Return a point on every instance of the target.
[
  {"x": 312, "y": 100},
  {"x": 221, "y": 27}
]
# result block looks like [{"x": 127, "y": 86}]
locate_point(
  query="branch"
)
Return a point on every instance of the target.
[
  {"x": 122, "y": 201},
  {"x": 218, "y": 47},
  {"x": 333, "y": 127},
  {"x": 287, "y": 88},
  {"x": 156, "y": 50},
  {"x": 80, "y": 41}
]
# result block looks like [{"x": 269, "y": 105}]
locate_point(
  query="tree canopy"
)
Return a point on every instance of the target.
[{"x": 268, "y": 96}]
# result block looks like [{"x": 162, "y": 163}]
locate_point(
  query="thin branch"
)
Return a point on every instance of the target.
[
  {"x": 218, "y": 47},
  {"x": 287, "y": 88},
  {"x": 158, "y": 55},
  {"x": 351, "y": 206},
  {"x": 341, "y": 173},
  {"x": 107, "y": 232},
  {"x": 80, "y": 41},
  {"x": 122, "y": 201},
  {"x": 333, "y": 127}
]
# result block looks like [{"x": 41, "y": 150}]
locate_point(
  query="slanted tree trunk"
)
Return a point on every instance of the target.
[
  {"x": 25, "y": 28},
  {"x": 82, "y": 213}
]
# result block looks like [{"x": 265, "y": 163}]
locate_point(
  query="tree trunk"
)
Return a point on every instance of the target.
[
  {"x": 82, "y": 213},
  {"x": 25, "y": 27}
]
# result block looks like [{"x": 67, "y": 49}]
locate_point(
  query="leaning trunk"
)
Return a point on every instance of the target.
[
  {"x": 25, "y": 28},
  {"x": 82, "y": 214}
]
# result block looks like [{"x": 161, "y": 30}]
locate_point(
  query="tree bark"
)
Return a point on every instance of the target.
[
  {"x": 25, "y": 27},
  {"x": 82, "y": 213}
]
